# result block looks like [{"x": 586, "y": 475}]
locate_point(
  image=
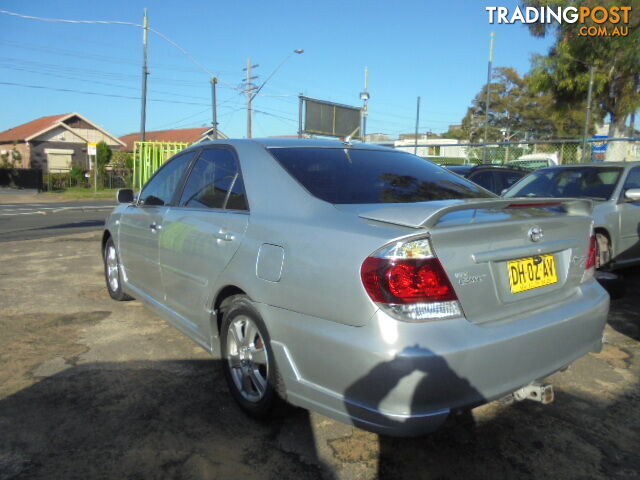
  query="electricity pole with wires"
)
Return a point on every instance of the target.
[
  {"x": 214, "y": 107},
  {"x": 145, "y": 73},
  {"x": 252, "y": 90},
  {"x": 249, "y": 90}
]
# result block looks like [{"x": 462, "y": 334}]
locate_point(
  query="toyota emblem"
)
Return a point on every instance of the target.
[{"x": 535, "y": 233}]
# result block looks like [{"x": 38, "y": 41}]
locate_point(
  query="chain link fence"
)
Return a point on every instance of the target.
[{"x": 532, "y": 154}]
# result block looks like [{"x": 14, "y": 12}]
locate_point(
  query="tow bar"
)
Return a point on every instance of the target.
[{"x": 538, "y": 392}]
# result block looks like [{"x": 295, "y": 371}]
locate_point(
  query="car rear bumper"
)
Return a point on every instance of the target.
[{"x": 404, "y": 379}]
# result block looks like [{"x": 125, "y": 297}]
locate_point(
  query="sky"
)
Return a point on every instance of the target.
[{"x": 435, "y": 50}]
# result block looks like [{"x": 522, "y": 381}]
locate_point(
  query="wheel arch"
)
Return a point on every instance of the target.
[
  {"x": 224, "y": 294},
  {"x": 605, "y": 232},
  {"x": 106, "y": 235}
]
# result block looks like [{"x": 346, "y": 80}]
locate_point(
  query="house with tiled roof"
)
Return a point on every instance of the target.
[
  {"x": 188, "y": 135},
  {"x": 57, "y": 142}
]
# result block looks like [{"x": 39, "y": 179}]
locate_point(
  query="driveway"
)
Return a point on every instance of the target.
[{"x": 92, "y": 388}]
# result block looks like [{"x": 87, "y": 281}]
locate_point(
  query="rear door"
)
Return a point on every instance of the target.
[
  {"x": 141, "y": 224},
  {"x": 200, "y": 235}
]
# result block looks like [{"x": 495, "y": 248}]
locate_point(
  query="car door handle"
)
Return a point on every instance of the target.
[
  {"x": 155, "y": 227},
  {"x": 221, "y": 235}
]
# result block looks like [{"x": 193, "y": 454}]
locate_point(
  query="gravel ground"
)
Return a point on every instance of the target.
[{"x": 92, "y": 388}]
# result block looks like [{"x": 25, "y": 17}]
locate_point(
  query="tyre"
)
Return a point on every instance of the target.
[
  {"x": 112, "y": 272},
  {"x": 603, "y": 260},
  {"x": 247, "y": 359}
]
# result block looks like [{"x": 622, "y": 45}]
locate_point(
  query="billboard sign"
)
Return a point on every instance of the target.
[{"x": 330, "y": 119}]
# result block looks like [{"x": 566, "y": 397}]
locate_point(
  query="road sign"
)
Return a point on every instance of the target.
[{"x": 92, "y": 148}]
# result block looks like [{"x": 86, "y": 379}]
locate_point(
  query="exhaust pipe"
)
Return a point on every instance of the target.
[{"x": 538, "y": 392}]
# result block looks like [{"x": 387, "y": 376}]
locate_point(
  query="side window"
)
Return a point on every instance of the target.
[
  {"x": 215, "y": 182},
  {"x": 162, "y": 186},
  {"x": 484, "y": 179},
  {"x": 506, "y": 179},
  {"x": 633, "y": 179}
]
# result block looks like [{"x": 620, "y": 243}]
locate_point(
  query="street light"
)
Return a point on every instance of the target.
[{"x": 252, "y": 91}]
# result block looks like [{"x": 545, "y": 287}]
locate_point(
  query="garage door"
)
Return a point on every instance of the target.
[{"x": 59, "y": 161}]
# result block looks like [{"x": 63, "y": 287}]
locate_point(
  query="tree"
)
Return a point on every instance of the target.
[
  {"x": 516, "y": 112},
  {"x": 103, "y": 155},
  {"x": 564, "y": 72}
]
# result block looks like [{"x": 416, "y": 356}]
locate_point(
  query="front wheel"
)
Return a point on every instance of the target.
[
  {"x": 247, "y": 359},
  {"x": 112, "y": 272}
]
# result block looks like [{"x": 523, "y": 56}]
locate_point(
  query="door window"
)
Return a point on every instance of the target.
[
  {"x": 162, "y": 186},
  {"x": 215, "y": 182},
  {"x": 633, "y": 179}
]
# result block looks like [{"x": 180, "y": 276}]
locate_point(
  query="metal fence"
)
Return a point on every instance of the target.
[
  {"x": 149, "y": 157},
  {"x": 64, "y": 178},
  {"x": 525, "y": 153}
]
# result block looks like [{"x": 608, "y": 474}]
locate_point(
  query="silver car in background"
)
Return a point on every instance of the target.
[
  {"x": 357, "y": 281},
  {"x": 615, "y": 190}
]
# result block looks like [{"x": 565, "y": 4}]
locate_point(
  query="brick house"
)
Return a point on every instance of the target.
[
  {"x": 188, "y": 135},
  {"x": 57, "y": 142}
]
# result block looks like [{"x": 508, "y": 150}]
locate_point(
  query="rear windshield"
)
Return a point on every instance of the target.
[
  {"x": 597, "y": 183},
  {"x": 344, "y": 176}
]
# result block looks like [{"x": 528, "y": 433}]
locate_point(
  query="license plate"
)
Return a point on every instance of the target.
[{"x": 533, "y": 272}]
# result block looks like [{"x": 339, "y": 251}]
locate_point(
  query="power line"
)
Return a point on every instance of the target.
[
  {"x": 85, "y": 92},
  {"x": 117, "y": 22}
]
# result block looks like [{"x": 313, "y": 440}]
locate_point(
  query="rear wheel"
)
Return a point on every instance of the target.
[
  {"x": 112, "y": 272},
  {"x": 603, "y": 261},
  {"x": 247, "y": 359}
]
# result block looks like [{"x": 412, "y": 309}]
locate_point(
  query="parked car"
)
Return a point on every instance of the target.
[
  {"x": 615, "y": 189},
  {"x": 534, "y": 161},
  {"x": 495, "y": 178},
  {"x": 358, "y": 281}
]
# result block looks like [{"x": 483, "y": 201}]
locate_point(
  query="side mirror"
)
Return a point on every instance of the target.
[
  {"x": 632, "y": 194},
  {"x": 125, "y": 195}
]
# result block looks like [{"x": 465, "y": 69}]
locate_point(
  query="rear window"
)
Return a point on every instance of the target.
[
  {"x": 350, "y": 176},
  {"x": 597, "y": 183}
]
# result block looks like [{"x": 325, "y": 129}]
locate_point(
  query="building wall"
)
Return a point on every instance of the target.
[
  {"x": 39, "y": 156},
  {"x": 433, "y": 147},
  {"x": 22, "y": 148},
  {"x": 93, "y": 135},
  {"x": 60, "y": 134}
]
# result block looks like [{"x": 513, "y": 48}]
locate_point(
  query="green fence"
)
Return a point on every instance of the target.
[{"x": 150, "y": 156}]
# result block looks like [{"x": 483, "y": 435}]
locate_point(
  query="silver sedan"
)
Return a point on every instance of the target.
[
  {"x": 361, "y": 282},
  {"x": 615, "y": 190}
]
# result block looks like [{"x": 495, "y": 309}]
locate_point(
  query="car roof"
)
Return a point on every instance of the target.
[
  {"x": 276, "y": 142},
  {"x": 594, "y": 165}
]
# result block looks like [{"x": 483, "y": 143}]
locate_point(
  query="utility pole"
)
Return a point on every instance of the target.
[
  {"x": 300, "y": 107},
  {"x": 488, "y": 99},
  {"x": 145, "y": 73},
  {"x": 214, "y": 106},
  {"x": 249, "y": 88},
  {"x": 587, "y": 120},
  {"x": 415, "y": 145},
  {"x": 364, "y": 96}
]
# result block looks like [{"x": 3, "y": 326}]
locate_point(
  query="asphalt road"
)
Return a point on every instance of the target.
[
  {"x": 25, "y": 221},
  {"x": 91, "y": 388}
]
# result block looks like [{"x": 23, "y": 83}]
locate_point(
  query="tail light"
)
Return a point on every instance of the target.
[
  {"x": 592, "y": 255},
  {"x": 407, "y": 281}
]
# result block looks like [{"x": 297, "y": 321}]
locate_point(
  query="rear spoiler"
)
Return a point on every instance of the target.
[{"x": 423, "y": 215}]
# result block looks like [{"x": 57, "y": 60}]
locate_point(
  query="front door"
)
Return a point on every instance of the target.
[{"x": 141, "y": 224}]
